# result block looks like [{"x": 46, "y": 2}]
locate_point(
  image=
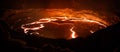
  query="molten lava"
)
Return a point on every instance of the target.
[
  {"x": 73, "y": 34},
  {"x": 80, "y": 25},
  {"x": 59, "y": 20}
]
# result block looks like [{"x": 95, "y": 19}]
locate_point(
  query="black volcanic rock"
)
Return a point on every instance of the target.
[{"x": 107, "y": 39}]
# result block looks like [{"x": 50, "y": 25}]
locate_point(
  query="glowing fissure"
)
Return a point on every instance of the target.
[
  {"x": 73, "y": 33},
  {"x": 53, "y": 19},
  {"x": 62, "y": 17},
  {"x": 34, "y": 28},
  {"x": 87, "y": 20}
]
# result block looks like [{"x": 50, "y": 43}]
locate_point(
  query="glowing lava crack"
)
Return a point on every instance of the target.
[
  {"x": 65, "y": 24},
  {"x": 58, "y": 20},
  {"x": 73, "y": 35}
]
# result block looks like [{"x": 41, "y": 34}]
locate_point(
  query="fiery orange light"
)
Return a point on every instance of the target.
[
  {"x": 63, "y": 19},
  {"x": 66, "y": 18},
  {"x": 73, "y": 34}
]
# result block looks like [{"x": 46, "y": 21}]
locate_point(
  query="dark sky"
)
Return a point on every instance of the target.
[
  {"x": 97, "y": 4},
  {"x": 101, "y": 5}
]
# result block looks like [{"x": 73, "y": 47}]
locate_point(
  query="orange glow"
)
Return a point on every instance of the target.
[
  {"x": 41, "y": 22},
  {"x": 34, "y": 28},
  {"x": 62, "y": 17},
  {"x": 73, "y": 34}
]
